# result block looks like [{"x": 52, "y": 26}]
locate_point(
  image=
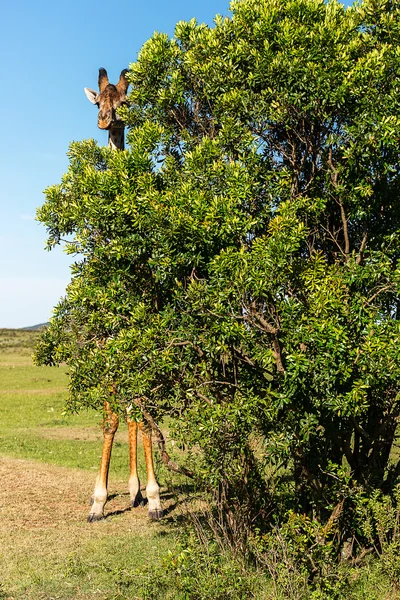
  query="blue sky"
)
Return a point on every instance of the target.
[{"x": 51, "y": 51}]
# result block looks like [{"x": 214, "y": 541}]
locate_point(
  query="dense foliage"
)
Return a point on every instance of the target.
[{"x": 238, "y": 266}]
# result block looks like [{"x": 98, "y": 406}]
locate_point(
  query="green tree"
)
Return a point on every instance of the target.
[{"x": 238, "y": 265}]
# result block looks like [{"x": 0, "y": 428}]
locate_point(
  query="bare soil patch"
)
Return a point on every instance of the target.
[
  {"x": 40, "y": 496},
  {"x": 33, "y": 495},
  {"x": 83, "y": 434}
]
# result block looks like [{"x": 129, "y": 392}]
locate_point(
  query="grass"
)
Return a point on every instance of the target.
[
  {"x": 85, "y": 565},
  {"x": 33, "y": 425}
]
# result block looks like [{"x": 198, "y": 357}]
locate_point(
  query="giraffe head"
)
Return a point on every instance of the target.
[{"x": 108, "y": 99}]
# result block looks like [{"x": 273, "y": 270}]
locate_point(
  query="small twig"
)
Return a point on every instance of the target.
[
  {"x": 334, "y": 240},
  {"x": 203, "y": 397},
  {"x": 244, "y": 357},
  {"x": 175, "y": 343},
  {"x": 362, "y": 248},
  {"x": 214, "y": 381},
  {"x": 362, "y": 555},
  {"x": 345, "y": 230},
  {"x": 385, "y": 288}
]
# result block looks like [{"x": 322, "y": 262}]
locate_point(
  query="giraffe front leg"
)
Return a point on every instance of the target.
[
  {"x": 100, "y": 493},
  {"x": 152, "y": 487},
  {"x": 134, "y": 483}
]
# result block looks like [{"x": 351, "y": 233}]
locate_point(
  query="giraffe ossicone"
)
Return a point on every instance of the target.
[{"x": 108, "y": 99}]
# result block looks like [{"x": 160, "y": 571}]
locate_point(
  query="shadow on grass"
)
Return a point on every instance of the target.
[
  {"x": 171, "y": 497},
  {"x": 115, "y": 513}
]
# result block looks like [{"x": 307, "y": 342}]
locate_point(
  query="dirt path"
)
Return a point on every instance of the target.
[
  {"x": 43, "y": 510},
  {"x": 36, "y": 495}
]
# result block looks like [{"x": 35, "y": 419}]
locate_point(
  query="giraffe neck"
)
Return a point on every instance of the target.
[{"x": 116, "y": 137}]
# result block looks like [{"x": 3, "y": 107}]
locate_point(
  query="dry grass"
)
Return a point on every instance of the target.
[
  {"x": 78, "y": 434},
  {"x": 37, "y": 496},
  {"x": 46, "y": 540}
]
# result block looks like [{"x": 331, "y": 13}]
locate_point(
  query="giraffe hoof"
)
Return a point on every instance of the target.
[
  {"x": 94, "y": 517},
  {"x": 156, "y": 515}
]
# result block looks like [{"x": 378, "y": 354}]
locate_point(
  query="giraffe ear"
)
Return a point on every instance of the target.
[{"x": 92, "y": 95}]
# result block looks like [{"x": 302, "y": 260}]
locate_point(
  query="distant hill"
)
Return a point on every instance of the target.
[{"x": 35, "y": 327}]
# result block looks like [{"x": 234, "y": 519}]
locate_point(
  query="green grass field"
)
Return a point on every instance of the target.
[
  {"x": 33, "y": 424},
  {"x": 48, "y": 464}
]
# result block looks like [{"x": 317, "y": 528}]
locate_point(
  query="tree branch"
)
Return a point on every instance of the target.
[
  {"x": 264, "y": 325},
  {"x": 278, "y": 354},
  {"x": 345, "y": 230},
  {"x": 361, "y": 430},
  {"x": 362, "y": 248},
  {"x": 165, "y": 457},
  {"x": 385, "y": 288},
  {"x": 334, "y": 180}
]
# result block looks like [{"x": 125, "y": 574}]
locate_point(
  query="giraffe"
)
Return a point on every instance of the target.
[{"x": 108, "y": 100}]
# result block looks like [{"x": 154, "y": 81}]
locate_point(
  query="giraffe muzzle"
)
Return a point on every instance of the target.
[{"x": 104, "y": 122}]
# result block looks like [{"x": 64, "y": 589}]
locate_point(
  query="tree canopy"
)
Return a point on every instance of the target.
[{"x": 238, "y": 265}]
